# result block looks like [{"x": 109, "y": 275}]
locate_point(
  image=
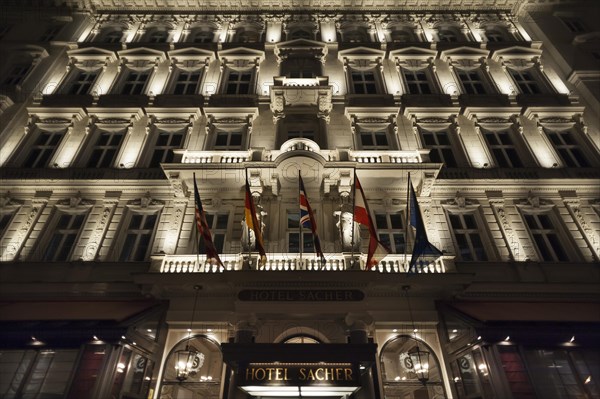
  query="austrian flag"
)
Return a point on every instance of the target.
[
  {"x": 377, "y": 251},
  {"x": 212, "y": 255}
]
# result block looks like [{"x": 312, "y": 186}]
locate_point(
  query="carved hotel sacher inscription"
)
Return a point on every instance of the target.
[
  {"x": 301, "y": 295},
  {"x": 299, "y": 375}
]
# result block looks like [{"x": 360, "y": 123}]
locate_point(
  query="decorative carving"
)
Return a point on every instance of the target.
[
  {"x": 37, "y": 205},
  {"x": 75, "y": 201},
  {"x": 509, "y": 235},
  {"x": 91, "y": 249},
  {"x": 146, "y": 201}
]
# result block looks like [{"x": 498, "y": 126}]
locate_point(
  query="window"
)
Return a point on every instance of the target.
[
  {"x": 364, "y": 82},
  {"x": 503, "y": 149},
  {"x": 36, "y": 374},
  {"x": 243, "y": 35},
  {"x": 401, "y": 36},
  {"x": 567, "y": 148},
  {"x": 228, "y": 140},
  {"x": 166, "y": 142},
  {"x": 5, "y": 219},
  {"x": 43, "y": 149},
  {"x": 301, "y": 339},
  {"x": 300, "y": 34},
  {"x": 187, "y": 82},
  {"x": 217, "y": 222},
  {"x": 106, "y": 148},
  {"x": 526, "y": 81},
  {"x": 301, "y": 68},
  {"x": 374, "y": 140},
  {"x": 136, "y": 245},
  {"x": 157, "y": 36},
  {"x": 202, "y": 36},
  {"x": 447, "y": 35},
  {"x": 573, "y": 24},
  {"x": 17, "y": 74},
  {"x": 494, "y": 35},
  {"x": 83, "y": 82},
  {"x": 544, "y": 234},
  {"x": 472, "y": 82},
  {"x": 440, "y": 147},
  {"x": 238, "y": 82},
  {"x": 114, "y": 36},
  {"x": 293, "y": 233},
  {"x": 357, "y": 35},
  {"x": 301, "y": 134},
  {"x": 135, "y": 82},
  {"x": 63, "y": 240},
  {"x": 50, "y": 33},
  {"x": 467, "y": 237},
  {"x": 417, "y": 82},
  {"x": 390, "y": 229}
]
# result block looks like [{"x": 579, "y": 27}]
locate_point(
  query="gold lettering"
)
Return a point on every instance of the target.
[
  {"x": 278, "y": 372},
  {"x": 311, "y": 375},
  {"x": 302, "y": 374},
  {"x": 270, "y": 370},
  {"x": 329, "y": 374},
  {"x": 317, "y": 374},
  {"x": 250, "y": 373},
  {"x": 260, "y": 370},
  {"x": 348, "y": 374},
  {"x": 285, "y": 376},
  {"x": 338, "y": 374}
]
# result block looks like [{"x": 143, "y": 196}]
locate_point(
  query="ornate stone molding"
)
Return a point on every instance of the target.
[
  {"x": 92, "y": 247},
  {"x": 14, "y": 246}
]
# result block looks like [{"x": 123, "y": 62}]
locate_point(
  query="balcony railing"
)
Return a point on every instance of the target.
[
  {"x": 214, "y": 156},
  {"x": 292, "y": 262},
  {"x": 376, "y": 156}
]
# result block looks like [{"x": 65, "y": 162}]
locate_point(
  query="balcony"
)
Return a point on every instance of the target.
[
  {"x": 376, "y": 156},
  {"x": 214, "y": 157},
  {"x": 301, "y": 95},
  {"x": 291, "y": 262}
]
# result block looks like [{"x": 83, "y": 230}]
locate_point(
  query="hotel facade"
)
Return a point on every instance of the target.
[{"x": 110, "y": 110}]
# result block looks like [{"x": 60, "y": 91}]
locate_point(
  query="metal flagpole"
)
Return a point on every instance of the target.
[
  {"x": 300, "y": 241},
  {"x": 352, "y": 226},
  {"x": 196, "y": 224},
  {"x": 407, "y": 221}
]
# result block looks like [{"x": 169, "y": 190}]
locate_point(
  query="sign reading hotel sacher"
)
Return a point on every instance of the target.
[{"x": 344, "y": 374}]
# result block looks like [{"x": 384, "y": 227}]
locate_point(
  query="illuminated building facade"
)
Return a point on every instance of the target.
[{"x": 108, "y": 108}]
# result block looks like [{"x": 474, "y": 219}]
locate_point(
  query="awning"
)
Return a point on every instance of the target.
[{"x": 531, "y": 311}]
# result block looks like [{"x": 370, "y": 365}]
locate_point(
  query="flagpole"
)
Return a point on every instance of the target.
[
  {"x": 300, "y": 242},
  {"x": 352, "y": 226},
  {"x": 196, "y": 228},
  {"x": 407, "y": 222},
  {"x": 248, "y": 226}
]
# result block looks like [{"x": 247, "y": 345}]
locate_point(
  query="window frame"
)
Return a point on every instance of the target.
[
  {"x": 124, "y": 228},
  {"x": 174, "y": 81},
  {"x": 94, "y": 141},
  {"x": 483, "y": 80},
  {"x": 480, "y": 230},
  {"x": 21, "y": 159},
  {"x": 151, "y": 147},
  {"x": 517, "y": 147},
  {"x": 51, "y": 230},
  {"x": 452, "y": 146},
  {"x": 212, "y": 218},
  {"x": 124, "y": 81},
  {"x": 536, "y": 79},
  {"x": 74, "y": 78},
  {"x": 390, "y": 231},
  {"x": 557, "y": 229},
  {"x": 431, "y": 82},
  {"x": 307, "y": 245},
  {"x": 227, "y": 80},
  {"x": 573, "y": 161},
  {"x": 376, "y": 81}
]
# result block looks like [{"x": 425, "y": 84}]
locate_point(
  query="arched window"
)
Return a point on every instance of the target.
[
  {"x": 301, "y": 339},
  {"x": 204, "y": 380},
  {"x": 447, "y": 35},
  {"x": 244, "y": 35},
  {"x": 156, "y": 35},
  {"x": 300, "y": 34},
  {"x": 494, "y": 35},
  {"x": 110, "y": 35},
  {"x": 356, "y": 35},
  {"x": 401, "y": 36},
  {"x": 398, "y": 370},
  {"x": 201, "y": 35}
]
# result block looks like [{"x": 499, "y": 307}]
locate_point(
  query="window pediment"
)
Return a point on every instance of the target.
[
  {"x": 90, "y": 59},
  {"x": 466, "y": 58},
  {"x": 301, "y": 48},
  {"x": 190, "y": 59},
  {"x": 354, "y": 55},
  {"x": 495, "y": 120},
  {"x": 517, "y": 57},
  {"x": 140, "y": 59},
  {"x": 241, "y": 57},
  {"x": 413, "y": 58}
]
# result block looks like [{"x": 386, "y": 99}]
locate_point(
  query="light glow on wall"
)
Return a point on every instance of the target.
[{"x": 328, "y": 32}]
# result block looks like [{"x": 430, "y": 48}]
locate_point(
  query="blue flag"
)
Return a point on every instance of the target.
[{"x": 422, "y": 247}]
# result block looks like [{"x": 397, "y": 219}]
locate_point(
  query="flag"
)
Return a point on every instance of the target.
[
  {"x": 422, "y": 245},
  {"x": 253, "y": 224},
  {"x": 377, "y": 251},
  {"x": 203, "y": 230},
  {"x": 307, "y": 219}
]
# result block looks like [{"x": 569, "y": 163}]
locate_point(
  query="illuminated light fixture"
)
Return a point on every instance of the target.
[
  {"x": 418, "y": 356},
  {"x": 572, "y": 339},
  {"x": 456, "y": 379},
  {"x": 95, "y": 338},
  {"x": 455, "y": 331},
  {"x": 397, "y": 378},
  {"x": 479, "y": 338},
  {"x": 123, "y": 337},
  {"x": 188, "y": 360},
  {"x": 507, "y": 338},
  {"x": 209, "y": 329},
  {"x": 394, "y": 330},
  {"x": 121, "y": 368},
  {"x": 588, "y": 380}
]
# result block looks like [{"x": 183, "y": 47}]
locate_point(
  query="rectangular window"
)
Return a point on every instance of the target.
[
  {"x": 136, "y": 246},
  {"x": 228, "y": 140},
  {"x": 545, "y": 237},
  {"x": 294, "y": 238},
  {"x": 503, "y": 149},
  {"x": 50, "y": 33},
  {"x": 364, "y": 82},
  {"x": 43, "y": 149},
  {"x": 87, "y": 372},
  {"x": 574, "y": 24},
  {"x": 135, "y": 83},
  {"x": 440, "y": 147},
  {"x": 63, "y": 241},
  {"x": 17, "y": 75},
  {"x": 374, "y": 140},
  {"x": 471, "y": 81},
  {"x": 83, "y": 82},
  {"x": 187, "y": 82},
  {"x": 217, "y": 222},
  {"x": 166, "y": 142},
  {"x": 301, "y": 134},
  {"x": 467, "y": 237},
  {"x": 390, "y": 229},
  {"x": 239, "y": 82},
  {"x": 105, "y": 150},
  {"x": 526, "y": 81},
  {"x": 417, "y": 82},
  {"x": 567, "y": 148}
]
